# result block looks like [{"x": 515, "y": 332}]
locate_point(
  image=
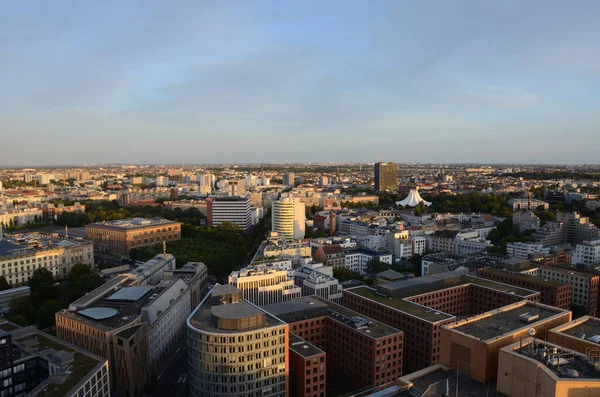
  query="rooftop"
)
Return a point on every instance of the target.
[
  {"x": 314, "y": 306},
  {"x": 302, "y": 347},
  {"x": 587, "y": 328},
  {"x": 506, "y": 320},
  {"x": 134, "y": 223},
  {"x": 75, "y": 363},
  {"x": 524, "y": 277},
  {"x": 563, "y": 363}
]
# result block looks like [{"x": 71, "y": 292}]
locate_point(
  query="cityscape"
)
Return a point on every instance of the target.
[{"x": 299, "y": 199}]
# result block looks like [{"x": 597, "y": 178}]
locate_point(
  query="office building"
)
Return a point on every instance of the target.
[
  {"x": 525, "y": 220},
  {"x": 587, "y": 253},
  {"x": 552, "y": 293},
  {"x": 308, "y": 369},
  {"x": 523, "y": 250},
  {"x": 288, "y": 218},
  {"x": 443, "y": 240},
  {"x": 195, "y": 274},
  {"x": 262, "y": 284},
  {"x": 386, "y": 177},
  {"x": 470, "y": 242},
  {"x": 472, "y": 345},
  {"x": 318, "y": 281},
  {"x": 20, "y": 217},
  {"x": 34, "y": 363},
  {"x": 585, "y": 285},
  {"x": 232, "y": 209},
  {"x": 284, "y": 249},
  {"x": 7, "y": 296},
  {"x": 289, "y": 179},
  {"x": 536, "y": 368},
  {"x": 420, "y": 306},
  {"x": 236, "y": 187},
  {"x": 225, "y": 328},
  {"x": 360, "y": 350},
  {"x": 137, "y": 326},
  {"x": 119, "y": 237},
  {"x": 22, "y": 254},
  {"x": 552, "y": 233}
]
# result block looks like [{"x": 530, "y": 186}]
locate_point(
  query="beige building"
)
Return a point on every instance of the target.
[
  {"x": 225, "y": 328},
  {"x": 22, "y": 254},
  {"x": 534, "y": 368},
  {"x": 472, "y": 345},
  {"x": 119, "y": 237},
  {"x": 288, "y": 218},
  {"x": 263, "y": 285},
  {"x": 581, "y": 334}
]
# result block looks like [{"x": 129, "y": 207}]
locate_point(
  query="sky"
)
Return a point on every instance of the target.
[{"x": 299, "y": 81}]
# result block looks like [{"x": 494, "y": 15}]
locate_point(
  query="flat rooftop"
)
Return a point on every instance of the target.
[
  {"x": 434, "y": 384},
  {"x": 202, "y": 317},
  {"x": 302, "y": 347},
  {"x": 134, "y": 223},
  {"x": 526, "y": 278},
  {"x": 563, "y": 364},
  {"x": 313, "y": 306},
  {"x": 583, "y": 330},
  {"x": 505, "y": 320}
]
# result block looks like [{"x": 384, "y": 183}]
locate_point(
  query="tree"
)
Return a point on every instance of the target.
[
  {"x": 21, "y": 311},
  {"x": 376, "y": 266},
  {"x": 42, "y": 287},
  {"x": 45, "y": 315},
  {"x": 4, "y": 284},
  {"x": 346, "y": 274}
]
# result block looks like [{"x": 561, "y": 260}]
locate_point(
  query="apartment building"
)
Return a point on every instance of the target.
[
  {"x": 469, "y": 242},
  {"x": 585, "y": 286},
  {"x": 523, "y": 250},
  {"x": 22, "y": 254},
  {"x": 226, "y": 328},
  {"x": 443, "y": 240},
  {"x": 37, "y": 364},
  {"x": 363, "y": 351},
  {"x": 421, "y": 306},
  {"x": 263, "y": 284},
  {"x": 357, "y": 259},
  {"x": 552, "y": 293},
  {"x": 578, "y": 228},
  {"x": 526, "y": 204},
  {"x": 472, "y": 345},
  {"x": 20, "y": 217},
  {"x": 331, "y": 255},
  {"x": 233, "y": 209},
  {"x": 119, "y": 237},
  {"x": 587, "y": 253}
]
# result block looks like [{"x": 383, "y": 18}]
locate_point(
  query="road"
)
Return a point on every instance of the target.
[{"x": 174, "y": 382}]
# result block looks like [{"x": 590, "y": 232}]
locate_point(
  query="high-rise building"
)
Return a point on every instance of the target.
[
  {"x": 235, "y": 348},
  {"x": 262, "y": 285},
  {"x": 289, "y": 179},
  {"x": 386, "y": 177},
  {"x": 236, "y": 187},
  {"x": 234, "y": 209},
  {"x": 288, "y": 218},
  {"x": 577, "y": 228}
]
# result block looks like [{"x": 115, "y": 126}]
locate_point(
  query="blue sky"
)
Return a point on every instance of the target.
[{"x": 268, "y": 81}]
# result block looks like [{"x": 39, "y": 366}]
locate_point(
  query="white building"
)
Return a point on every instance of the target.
[
  {"x": 523, "y": 250},
  {"x": 466, "y": 243},
  {"x": 357, "y": 259},
  {"x": 162, "y": 181},
  {"x": 263, "y": 285},
  {"x": 166, "y": 315},
  {"x": 21, "y": 216},
  {"x": 318, "y": 280},
  {"x": 21, "y": 256},
  {"x": 419, "y": 244},
  {"x": 234, "y": 209},
  {"x": 587, "y": 253},
  {"x": 288, "y": 218}
]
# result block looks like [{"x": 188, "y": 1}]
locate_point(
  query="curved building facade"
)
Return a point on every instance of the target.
[
  {"x": 235, "y": 348},
  {"x": 288, "y": 218}
]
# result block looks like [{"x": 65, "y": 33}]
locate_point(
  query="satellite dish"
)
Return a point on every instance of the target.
[{"x": 531, "y": 331}]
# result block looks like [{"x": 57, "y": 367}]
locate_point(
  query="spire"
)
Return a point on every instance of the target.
[
  {"x": 164, "y": 247},
  {"x": 66, "y": 231}
]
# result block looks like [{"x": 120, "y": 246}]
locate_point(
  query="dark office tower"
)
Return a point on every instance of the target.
[{"x": 386, "y": 175}]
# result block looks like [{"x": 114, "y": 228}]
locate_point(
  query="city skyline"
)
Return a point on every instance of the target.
[{"x": 466, "y": 82}]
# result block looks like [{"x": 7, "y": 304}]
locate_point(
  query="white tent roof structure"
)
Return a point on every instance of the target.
[{"x": 413, "y": 199}]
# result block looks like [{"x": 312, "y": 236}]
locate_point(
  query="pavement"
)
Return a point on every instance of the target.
[{"x": 174, "y": 381}]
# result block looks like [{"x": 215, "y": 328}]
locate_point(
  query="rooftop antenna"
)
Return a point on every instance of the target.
[
  {"x": 164, "y": 247},
  {"x": 381, "y": 157},
  {"x": 66, "y": 231}
]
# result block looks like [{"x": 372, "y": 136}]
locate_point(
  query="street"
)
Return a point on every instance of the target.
[{"x": 174, "y": 382}]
